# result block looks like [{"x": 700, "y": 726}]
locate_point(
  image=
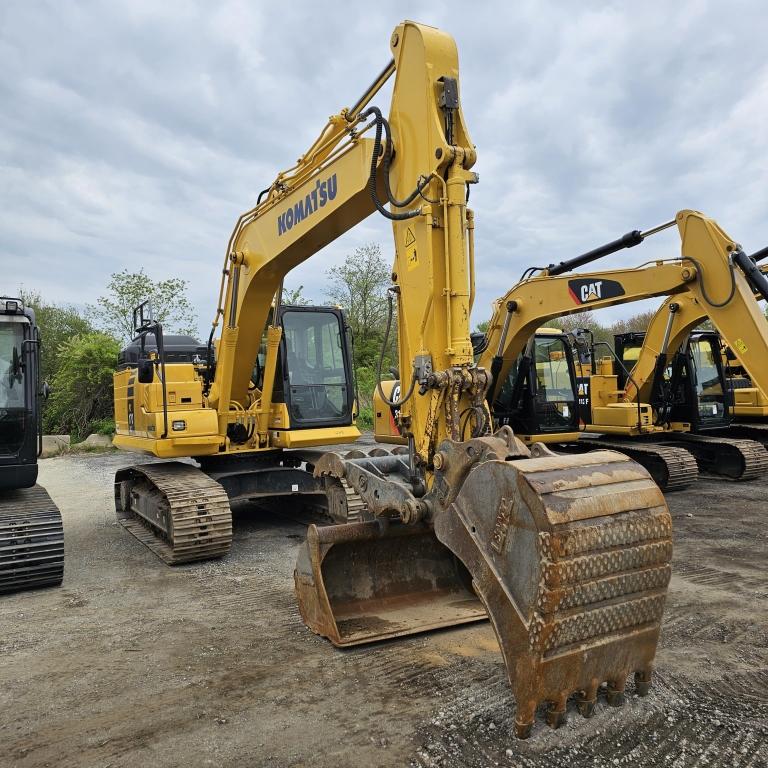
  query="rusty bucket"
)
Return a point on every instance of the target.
[
  {"x": 362, "y": 582},
  {"x": 571, "y": 554}
]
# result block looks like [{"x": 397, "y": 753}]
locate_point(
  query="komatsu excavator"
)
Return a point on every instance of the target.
[
  {"x": 711, "y": 264},
  {"x": 569, "y": 556},
  {"x": 31, "y": 531}
]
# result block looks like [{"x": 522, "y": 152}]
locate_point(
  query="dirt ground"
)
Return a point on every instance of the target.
[{"x": 132, "y": 663}]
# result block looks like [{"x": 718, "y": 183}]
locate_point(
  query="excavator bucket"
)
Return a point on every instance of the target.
[
  {"x": 363, "y": 582},
  {"x": 571, "y": 556},
  {"x": 568, "y": 555}
]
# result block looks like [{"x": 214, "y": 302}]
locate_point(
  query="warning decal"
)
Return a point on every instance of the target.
[{"x": 411, "y": 257}]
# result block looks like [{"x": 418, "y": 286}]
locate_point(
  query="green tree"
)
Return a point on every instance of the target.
[
  {"x": 82, "y": 387},
  {"x": 113, "y": 312},
  {"x": 58, "y": 323},
  {"x": 637, "y": 322},
  {"x": 359, "y": 285},
  {"x": 295, "y": 296}
]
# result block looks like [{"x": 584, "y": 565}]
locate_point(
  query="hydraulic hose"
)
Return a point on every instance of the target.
[
  {"x": 707, "y": 298},
  {"x": 385, "y": 342},
  {"x": 382, "y": 124}
]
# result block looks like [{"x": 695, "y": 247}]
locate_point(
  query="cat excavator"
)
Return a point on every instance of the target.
[
  {"x": 568, "y": 556},
  {"x": 31, "y": 531},
  {"x": 711, "y": 263}
]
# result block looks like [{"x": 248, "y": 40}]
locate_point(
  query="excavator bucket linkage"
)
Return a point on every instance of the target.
[{"x": 569, "y": 555}]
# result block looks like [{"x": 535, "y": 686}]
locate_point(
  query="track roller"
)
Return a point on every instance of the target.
[
  {"x": 728, "y": 457},
  {"x": 673, "y": 468}
]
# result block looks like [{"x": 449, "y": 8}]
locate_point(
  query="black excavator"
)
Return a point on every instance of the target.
[{"x": 31, "y": 531}]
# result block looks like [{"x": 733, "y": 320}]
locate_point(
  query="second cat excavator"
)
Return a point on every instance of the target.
[
  {"x": 569, "y": 556},
  {"x": 681, "y": 372}
]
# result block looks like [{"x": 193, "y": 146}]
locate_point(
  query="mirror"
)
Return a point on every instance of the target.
[{"x": 146, "y": 371}]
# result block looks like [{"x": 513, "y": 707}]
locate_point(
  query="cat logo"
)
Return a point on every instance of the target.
[
  {"x": 588, "y": 291},
  {"x": 591, "y": 292}
]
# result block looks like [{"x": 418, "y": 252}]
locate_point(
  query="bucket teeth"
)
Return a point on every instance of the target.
[
  {"x": 556, "y": 715},
  {"x": 642, "y": 683},
  {"x": 523, "y": 730},
  {"x": 587, "y": 700},
  {"x": 615, "y": 693}
]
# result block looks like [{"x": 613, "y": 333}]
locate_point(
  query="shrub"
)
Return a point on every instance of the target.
[{"x": 81, "y": 399}]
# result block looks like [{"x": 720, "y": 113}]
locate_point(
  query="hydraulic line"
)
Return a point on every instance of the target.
[
  {"x": 382, "y": 124},
  {"x": 385, "y": 342}
]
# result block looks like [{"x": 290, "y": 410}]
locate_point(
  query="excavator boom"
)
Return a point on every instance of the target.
[{"x": 569, "y": 556}]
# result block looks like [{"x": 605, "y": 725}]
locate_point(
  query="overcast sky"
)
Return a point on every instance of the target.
[{"x": 134, "y": 133}]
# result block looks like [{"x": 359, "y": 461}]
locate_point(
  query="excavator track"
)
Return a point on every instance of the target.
[
  {"x": 174, "y": 509},
  {"x": 31, "y": 540},
  {"x": 672, "y": 468},
  {"x": 344, "y": 504},
  {"x": 748, "y": 431},
  {"x": 734, "y": 458}
]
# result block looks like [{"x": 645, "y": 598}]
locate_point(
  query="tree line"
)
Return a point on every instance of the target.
[{"x": 80, "y": 348}]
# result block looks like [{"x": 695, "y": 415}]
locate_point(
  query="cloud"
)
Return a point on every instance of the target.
[{"x": 134, "y": 133}]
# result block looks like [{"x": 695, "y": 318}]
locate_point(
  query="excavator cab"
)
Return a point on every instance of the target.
[
  {"x": 314, "y": 371},
  {"x": 18, "y": 397},
  {"x": 539, "y": 397},
  {"x": 689, "y": 386}
]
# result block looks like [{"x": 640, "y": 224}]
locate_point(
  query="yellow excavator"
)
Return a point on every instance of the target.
[
  {"x": 711, "y": 264},
  {"x": 534, "y": 384},
  {"x": 569, "y": 556},
  {"x": 750, "y": 403},
  {"x": 681, "y": 371}
]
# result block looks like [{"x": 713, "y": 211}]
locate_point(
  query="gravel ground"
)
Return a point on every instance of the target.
[{"x": 132, "y": 663}]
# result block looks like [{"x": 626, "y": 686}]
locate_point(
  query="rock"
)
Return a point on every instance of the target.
[
  {"x": 96, "y": 441},
  {"x": 53, "y": 445}
]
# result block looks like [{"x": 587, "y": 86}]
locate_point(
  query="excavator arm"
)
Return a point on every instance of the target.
[
  {"x": 739, "y": 321},
  {"x": 712, "y": 273},
  {"x": 347, "y": 174},
  {"x": 569, "y": 556}
]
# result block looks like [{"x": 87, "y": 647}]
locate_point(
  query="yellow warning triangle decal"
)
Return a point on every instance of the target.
[{"x": 409, "y": 238}]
